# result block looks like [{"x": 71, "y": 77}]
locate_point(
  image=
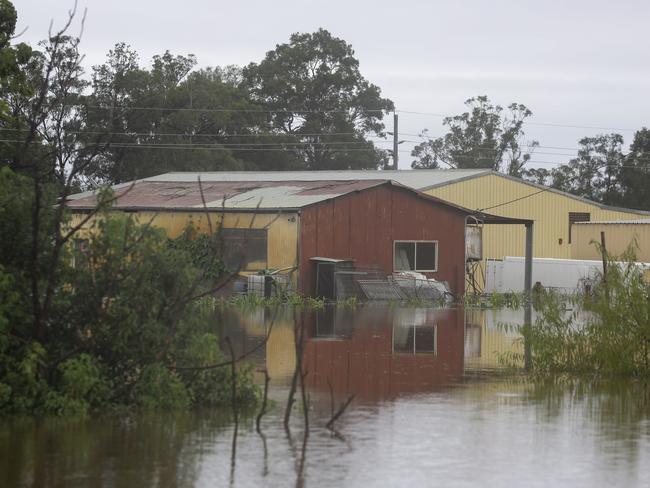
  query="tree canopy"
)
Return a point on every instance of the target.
[
  {"x": 98, "y": 311},
  {"x": 486, "y": 136},
  {"x": 603, "y": 171},
  {"x": 316, "y": 95}
]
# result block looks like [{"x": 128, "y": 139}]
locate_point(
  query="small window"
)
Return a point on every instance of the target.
[
  {"x": 415, "y": 256},
  {"x": 415, "y": 339},
  {"x": 577, "y": 217},
  {"x": 244, "y": 248}
]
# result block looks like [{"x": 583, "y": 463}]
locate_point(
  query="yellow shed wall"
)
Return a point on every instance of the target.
[
  {"x": 549, "y": 210},
  {"x": 617, "y": 239},
  {"x": 497, "y": 344},
  {"x": 282, "y": 236}
]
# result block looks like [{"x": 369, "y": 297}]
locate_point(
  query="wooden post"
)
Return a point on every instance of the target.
[{"x": 603, "y": 252}]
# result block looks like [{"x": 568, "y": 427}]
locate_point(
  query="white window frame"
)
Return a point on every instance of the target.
[
  {"x": 414, "y": 351},
  {"x": 416, "y": 255}
]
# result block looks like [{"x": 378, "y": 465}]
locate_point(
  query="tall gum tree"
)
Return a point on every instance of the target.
[
  {"x": 486, "y": 136},
  {"x": 315, "y": 94}
]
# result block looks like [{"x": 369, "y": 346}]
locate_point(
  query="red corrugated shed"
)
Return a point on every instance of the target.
[{"x": 364, "y": 225}]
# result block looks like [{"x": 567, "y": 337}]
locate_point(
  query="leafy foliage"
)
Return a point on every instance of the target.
[
  {"x": 98, "y": 309},
  {"x": 143, "y": 112},
  {"x": 123, "y": 315},
  {"x": 483, "y": 137},
  {"x": 603, "y": 171},
  {"x": 318, "y": 75},
  {"x": 594, "y": 174},
  {"x": 615, "y": 337}
]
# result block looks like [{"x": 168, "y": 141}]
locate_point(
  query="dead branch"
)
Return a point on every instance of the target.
[
  {"x": 298, "y": 375},
  {"x": 205, "y": 205},
  {"x": 258, "y": 420},
  {"x": 339, "y": 412}
]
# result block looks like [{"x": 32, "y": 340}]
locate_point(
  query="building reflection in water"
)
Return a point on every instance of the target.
[
  {"x": 379, "y": 352},
  {"x": 387, "y": 352}
]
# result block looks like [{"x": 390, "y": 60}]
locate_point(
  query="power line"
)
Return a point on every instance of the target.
[
  {"x": 543, "y": 124},
  {"x": 294, "y": 111},
  {"x": 275, "y": 134},
  {"x": 286, "y": 146},
  {"x": 227, "y": 109},
  {"x": 208, "y": 147},
  {"x": 184, "y": 134},
  {"x": 516, "y": 199}
]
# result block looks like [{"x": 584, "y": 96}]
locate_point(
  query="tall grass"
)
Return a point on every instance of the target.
[{"x": 608, "y": 331}]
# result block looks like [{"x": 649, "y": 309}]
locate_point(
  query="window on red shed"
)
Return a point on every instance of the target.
[{"x": 415, "y": 256}]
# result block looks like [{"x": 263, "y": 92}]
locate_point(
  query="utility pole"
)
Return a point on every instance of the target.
[{"x": 395, "y": 143}]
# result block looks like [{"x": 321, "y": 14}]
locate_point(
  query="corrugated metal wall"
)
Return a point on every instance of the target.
[
  {"x": 282, "y": 230},
  {"x": 364, "y": 225},
  {"x": 549, "y": 210},
  {"x": 617, "y": 239}
]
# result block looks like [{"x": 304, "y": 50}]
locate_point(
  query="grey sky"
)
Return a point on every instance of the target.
[{"x": 572, "y": 62}]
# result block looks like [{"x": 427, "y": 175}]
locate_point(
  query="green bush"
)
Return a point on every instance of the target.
[
  {"x": 159, "y": 388},
  {"x": 608, "y": 331},
  {"x": 124, "y": 315}
]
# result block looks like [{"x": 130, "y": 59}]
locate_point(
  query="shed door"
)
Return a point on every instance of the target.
[{"x": 325, "y": 280}]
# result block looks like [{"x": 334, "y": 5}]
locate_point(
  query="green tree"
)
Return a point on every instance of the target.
[
  {"x": 484, "y": 137},
  {"x": 108, "y": 320},
  {"x": 634, "y": 176},
  {"x": 15, "y": 63},
  {"x": 594, "y": 174},
  {"x": 168, "y": 117},
  {"x": 317, "y": 97}
]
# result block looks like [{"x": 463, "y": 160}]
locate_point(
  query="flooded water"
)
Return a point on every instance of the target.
[{"x": 430, "y": 408}]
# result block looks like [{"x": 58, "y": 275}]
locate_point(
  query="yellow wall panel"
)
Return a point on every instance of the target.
[
  {"x": 617, "y": 239},
  {"x": 283, "y": 229},
  {"x": 510, "y": 198}
]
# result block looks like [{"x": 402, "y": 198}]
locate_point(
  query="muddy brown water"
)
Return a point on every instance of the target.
[{"x": 432, "y": 407}]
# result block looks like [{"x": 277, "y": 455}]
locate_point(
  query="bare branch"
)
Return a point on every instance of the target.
[
  {"x": 258, "y": 420},
  {"x": 205, "y": 206},
  {"x": 16, "y": 36},
  {"x": 339, "y": 412}
]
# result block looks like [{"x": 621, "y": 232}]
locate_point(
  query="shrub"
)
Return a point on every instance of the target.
[{"x": 609, "y": 331}]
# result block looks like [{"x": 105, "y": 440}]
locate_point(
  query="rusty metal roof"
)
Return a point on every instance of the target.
[
  {"x": 247, "y": 196},
  {"x": 243, "y": 195}
]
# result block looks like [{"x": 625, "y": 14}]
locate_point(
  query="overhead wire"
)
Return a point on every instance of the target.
[
  {"x": 543, "y": 124},
  {"x": 284, "y": 145},
  {"x": 312, "y": 111},
  {"x": 229, "y": 109},
  {"x": 516, "y": 199}
]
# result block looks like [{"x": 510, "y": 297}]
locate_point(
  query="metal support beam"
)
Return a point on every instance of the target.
[
  {"x": 528, "y": 269},
  {"x": 528, "y": 287}
]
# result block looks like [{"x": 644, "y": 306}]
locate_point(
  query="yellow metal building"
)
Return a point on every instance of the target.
[
  {"x": 552, "y": 210},
  {"x": 619, "y": 235}
]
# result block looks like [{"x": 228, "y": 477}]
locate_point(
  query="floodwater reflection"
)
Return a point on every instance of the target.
[{"x": 425, "y": 411}]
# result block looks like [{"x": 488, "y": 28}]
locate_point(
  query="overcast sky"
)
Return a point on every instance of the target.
[{"x": 572, "y": 62}]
